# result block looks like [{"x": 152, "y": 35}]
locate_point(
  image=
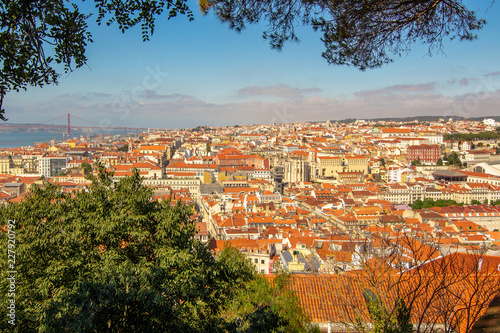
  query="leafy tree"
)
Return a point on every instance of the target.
[
  {"x": 64, "y": 173},
  {"x": 429, "y": 202},
  {"x": 454, "y": 159},
  {"x": 384, "y": 320},
  {"x": 417, "y": 204},
  {"x": 38, "y": 36},
  {"x": 416, "y": 162},
  {"x": 123, "y": 148},
  {"x": 475, "y": 202},
  {"x": 439, "y": 162},
  {"x": 109, "y": 259},
  {"x": 360, "y": 33},
  {"x": 267, "y": 305},
  {"x": 490, "y": 135},
  {"x": 87, "y": 168},
  {"x": 382, "y": 162}
]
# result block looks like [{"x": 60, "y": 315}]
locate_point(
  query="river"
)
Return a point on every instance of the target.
[{"x": 21, "y": 139}]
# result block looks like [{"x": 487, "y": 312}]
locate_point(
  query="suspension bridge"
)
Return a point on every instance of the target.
[{"x": 91, "y": 126}]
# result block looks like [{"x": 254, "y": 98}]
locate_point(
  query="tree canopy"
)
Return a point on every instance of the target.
[
  {"x": 109, "y": 259},
  {"x": 472, "y": 136},
  {"x": 453, "y": 159},
  {"x": 267, "y": 305},
  {"x": 429, "y": 202},
  {"x": 39, "y": 38},
  {"x": 364, "y": 34}
]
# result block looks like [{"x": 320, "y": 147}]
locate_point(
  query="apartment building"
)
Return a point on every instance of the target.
[
  {"x": 52, "y": 165},
  {"x": 427, "y": 154}
]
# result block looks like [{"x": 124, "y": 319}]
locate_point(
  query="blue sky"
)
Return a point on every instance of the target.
[{"x": 202, "y": 73}]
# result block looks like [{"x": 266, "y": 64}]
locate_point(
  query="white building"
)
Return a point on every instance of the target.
[
  {"x": 490, "y": 122},
  {"x": 51, "y": 165},
  {"x": 394, "y": 173},
  {"x": 192, "y": 184}
]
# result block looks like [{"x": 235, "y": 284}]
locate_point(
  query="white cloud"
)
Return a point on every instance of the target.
[
  {"x": 409, "y": 88},
  {"x": 152, "y": 109},
  {"x": 280, "y": 90}
]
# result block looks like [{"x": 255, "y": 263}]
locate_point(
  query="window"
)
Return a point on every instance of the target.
[
  {"x": 262, "y": 261},
  {"x": 256, "y": 261}
]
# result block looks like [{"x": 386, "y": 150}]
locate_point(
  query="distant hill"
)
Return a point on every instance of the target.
[
  {"x": 15, "y": 128},
  {"x": 421, "y": 119}
]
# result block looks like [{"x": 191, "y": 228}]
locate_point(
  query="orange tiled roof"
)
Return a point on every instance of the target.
[{"x": 339, "y": 298}]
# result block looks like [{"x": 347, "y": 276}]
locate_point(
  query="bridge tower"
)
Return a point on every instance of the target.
[{"x": 69, "y": 128}]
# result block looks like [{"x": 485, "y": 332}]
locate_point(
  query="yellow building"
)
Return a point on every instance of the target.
[
  {"x": 72, "y": 143},
  {"x": 5, "y": 163},
  {"x": 207, "y": 177},
  {"x": 329, "y": 166},
  {"x": 356, "y": 163}
]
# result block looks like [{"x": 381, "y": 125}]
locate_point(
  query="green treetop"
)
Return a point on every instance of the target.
[{"x": 110, "y": 259}]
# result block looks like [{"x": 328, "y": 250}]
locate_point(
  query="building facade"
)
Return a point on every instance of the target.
[
  {"x": 50, "y": 166},
  {"x": 427, "y": 154}
]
